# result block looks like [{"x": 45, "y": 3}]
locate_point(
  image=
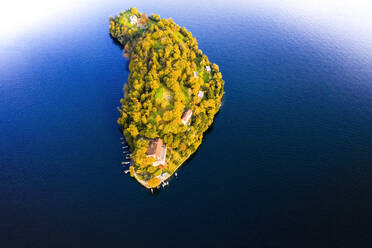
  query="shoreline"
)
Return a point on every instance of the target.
[
  {"x": 144, "y": 183},
  {"x": 196, "y": 75}
]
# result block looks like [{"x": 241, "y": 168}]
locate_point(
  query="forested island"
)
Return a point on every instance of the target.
[{"x": 172, "y": 95}]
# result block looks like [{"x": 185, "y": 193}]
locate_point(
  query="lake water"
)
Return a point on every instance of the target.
[{"x": 287, "y": 162}]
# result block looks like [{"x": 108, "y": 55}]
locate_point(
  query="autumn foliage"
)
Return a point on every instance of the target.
[{"x": 164, "y": 59}]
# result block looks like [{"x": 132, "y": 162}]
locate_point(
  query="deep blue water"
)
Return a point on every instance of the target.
[{"x": 287, "y": 162}]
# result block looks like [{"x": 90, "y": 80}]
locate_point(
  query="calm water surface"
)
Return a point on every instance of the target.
[{"x": 287, "y": 162}]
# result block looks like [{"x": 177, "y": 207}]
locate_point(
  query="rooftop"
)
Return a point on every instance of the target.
[
  {"x": 155, "y": 148},
  {"x": 186, "y": 116}
]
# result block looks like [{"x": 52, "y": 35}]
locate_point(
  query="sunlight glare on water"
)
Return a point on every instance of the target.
[{"x": 20, "y": 16}]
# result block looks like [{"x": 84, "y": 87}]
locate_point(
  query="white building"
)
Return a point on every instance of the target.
[
  {"x": 201, "y": 94},
  {"x": 195, "y": 74},
  {"x": 133, "y": 19},
  {"x": 157, "y": 150},
  {"x": 186, "y": 116},
  {"x": 208, "y": 68}
]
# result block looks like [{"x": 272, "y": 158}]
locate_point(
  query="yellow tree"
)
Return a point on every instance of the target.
[{"x": 153, "y": 182}]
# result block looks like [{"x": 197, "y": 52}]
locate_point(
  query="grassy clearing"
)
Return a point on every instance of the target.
[
  {"x": 163, "y": 93},
  {"x": 124, "y": 18},
  {"x": 206, "y": 76},
  {"x": 166, "y": 97},
  {"x": 159, "y": 93}
]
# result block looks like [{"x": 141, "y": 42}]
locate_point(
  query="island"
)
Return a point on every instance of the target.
[{"x": 171, "y": 97}]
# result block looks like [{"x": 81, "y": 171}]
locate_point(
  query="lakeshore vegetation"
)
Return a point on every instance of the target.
[{"x": 168, "y": 75}]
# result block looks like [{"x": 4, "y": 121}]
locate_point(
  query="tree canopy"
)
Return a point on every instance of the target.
[{"x": 168, "y": 72}]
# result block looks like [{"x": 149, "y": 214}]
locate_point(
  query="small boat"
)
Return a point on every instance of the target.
[{"x": 126, "y": 171}]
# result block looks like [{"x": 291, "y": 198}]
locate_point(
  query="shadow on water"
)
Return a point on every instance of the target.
[
  {"x": 157, "y": 191},
  {"x": 116, "y": 42},
  {"x": 191, "y": 158},
  {"x": 206, "y": 133}
]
